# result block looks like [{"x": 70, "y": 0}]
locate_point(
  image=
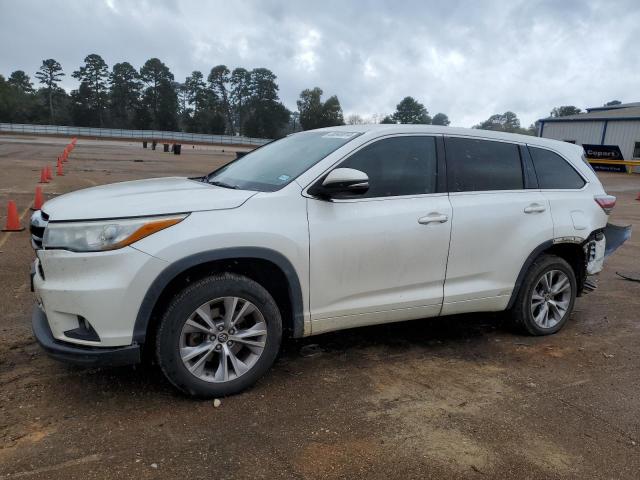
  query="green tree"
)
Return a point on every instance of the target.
[
  {"x": 240, "y": 96},
  {"x": 440, "y": 119},
  {"x": 21, "y": 97},
  {"x": 185, "y": 111},
  {"x": 196, "y": 90},
  {"x": 388, "y": 119},
  {"x": 7, "y": 101},
  {"x": 314, "y": 113},
  {"x": 310, "y": 107},
  {"x": 565, "y": 110},
  {"x": 204, "y": 111},
  {"x": 266, "y": 116},
  {"x": 410, "y": 111},
  {"x": 92, "y": 94},
  {"x": 159, "y": 100},
  {"x": 81, "y": 111},
  {"x": 124, "y": 95},
  {"x": 501, "y": 122},
  {"x": 332, "y": 112},
  {"x": 210, "y": 118},
  {"x": 21, "y": 81},
  {"x": 61, "y": 106},
  {"x": 50, "y": 74},
  {"x": 219, "y": 79}
]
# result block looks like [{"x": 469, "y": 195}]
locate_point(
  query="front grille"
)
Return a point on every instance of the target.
[{"x": 39, "y": 221}]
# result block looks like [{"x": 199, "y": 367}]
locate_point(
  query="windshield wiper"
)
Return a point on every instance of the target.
[{"x": 224, "y": 185}]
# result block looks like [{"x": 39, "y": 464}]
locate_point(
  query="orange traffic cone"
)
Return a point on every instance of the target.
[
  {"x": 13, "y": 221},
  {"x": 38, "y": 199},
  {"x": 43, "y": 176},
  {"x": 49, "y": 172},
  {"x": 59, "y": 171}
]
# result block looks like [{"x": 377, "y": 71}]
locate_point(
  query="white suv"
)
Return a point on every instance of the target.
[{"x": 322, "y": 230}]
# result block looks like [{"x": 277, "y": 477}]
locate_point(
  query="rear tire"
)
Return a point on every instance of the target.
[
  {"x": 546, "y": 297},
  {"x": 219, "y": 336}
]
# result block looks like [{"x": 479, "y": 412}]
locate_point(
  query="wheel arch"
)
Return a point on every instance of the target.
[
  {"x": 572, "y": 252},
  {"x": 269, "y": 268}
]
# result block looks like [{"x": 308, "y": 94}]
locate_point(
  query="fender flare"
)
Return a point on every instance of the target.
[
  {"x": 176, "y": 268},
  {"x": 525, "y": 267}
]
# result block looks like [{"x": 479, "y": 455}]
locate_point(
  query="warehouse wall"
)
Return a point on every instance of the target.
[
  {"x": 621, "y": 133},
  {"x": 581, "y": 132},
  {"x": 624, "y": 134}
]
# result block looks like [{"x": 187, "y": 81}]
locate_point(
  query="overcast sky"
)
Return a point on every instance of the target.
[{"x": 466, "y": 59}]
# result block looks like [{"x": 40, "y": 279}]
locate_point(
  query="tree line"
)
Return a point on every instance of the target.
[
  {"x": 237, "y": 101},
  {"x": 233, "y": 102}
]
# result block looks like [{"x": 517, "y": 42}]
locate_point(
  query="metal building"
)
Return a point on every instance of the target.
[{"x": 613, "y": 125}]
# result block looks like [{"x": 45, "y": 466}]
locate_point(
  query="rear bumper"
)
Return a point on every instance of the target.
[
  {"x": 79, "y": 354},
  {"x": 616, "y": 236}
]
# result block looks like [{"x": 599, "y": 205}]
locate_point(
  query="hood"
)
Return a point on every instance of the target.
[{"x": 155, "y": 196}]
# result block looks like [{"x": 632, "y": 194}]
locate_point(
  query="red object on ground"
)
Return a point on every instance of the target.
[
  {"x": 13, "y": 221},
  {"x": 38, "y": 199},
  {"x": 43, "y": 176},
  {"x": 638, "y": 197},
  {"x": 59, "y": 171},
  {"x": 49, "y": 172}
]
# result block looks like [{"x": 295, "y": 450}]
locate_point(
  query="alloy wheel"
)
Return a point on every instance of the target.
[
  {"x": 550, "y": 299},
  {"x": 223, "y": 339}
]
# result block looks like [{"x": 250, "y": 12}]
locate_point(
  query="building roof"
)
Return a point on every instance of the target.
[
  {"x": 612, "y": 107},
  {"x": 623, "y": 113}
]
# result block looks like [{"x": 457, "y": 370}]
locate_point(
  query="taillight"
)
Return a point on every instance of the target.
[{"x": 606, "y": 202}]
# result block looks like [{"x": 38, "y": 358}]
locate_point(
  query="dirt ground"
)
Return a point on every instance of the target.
[{"x": 456, "y": 397}]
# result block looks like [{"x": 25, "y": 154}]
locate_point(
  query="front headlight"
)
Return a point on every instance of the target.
[{"x": 100, "y": 235}]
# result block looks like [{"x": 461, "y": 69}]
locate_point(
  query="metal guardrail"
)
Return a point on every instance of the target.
[
  {"x": 627, "y": 163},
  {"x": 148, "y": 135}
]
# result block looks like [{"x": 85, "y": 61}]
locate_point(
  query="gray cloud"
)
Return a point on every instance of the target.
[{"x": 469, "y": 59}]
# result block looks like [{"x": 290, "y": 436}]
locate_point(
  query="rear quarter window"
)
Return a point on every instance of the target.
[
  {"x": 479, "y": 165},
  {"x": 553, "y": 171}
]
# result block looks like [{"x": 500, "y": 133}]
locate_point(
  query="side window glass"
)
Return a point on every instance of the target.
[
  {"x": 397, "y": 166},
  {"x": 553, "y": 171},
  {"x": 479, "y": 165}
]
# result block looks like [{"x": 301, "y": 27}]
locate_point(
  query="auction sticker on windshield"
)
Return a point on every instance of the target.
[{"x": 340, "y": 135}]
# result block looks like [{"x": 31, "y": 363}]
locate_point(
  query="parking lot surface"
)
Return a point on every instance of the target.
[{"x": 454, "y": 397}]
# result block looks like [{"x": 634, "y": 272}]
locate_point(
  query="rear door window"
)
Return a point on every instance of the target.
[
  {"x": 553, "y": 171},
  {"x": 481, "y": 165}
]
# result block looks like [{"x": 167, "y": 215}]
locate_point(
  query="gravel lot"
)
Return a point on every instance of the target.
[{"x": 456, "y": 397}]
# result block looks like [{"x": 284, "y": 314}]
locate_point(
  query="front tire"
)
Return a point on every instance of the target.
[
  {"x": 219, "y": 336},
  {"x": 547, "y": 296}
]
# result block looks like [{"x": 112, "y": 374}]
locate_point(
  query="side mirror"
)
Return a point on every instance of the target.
[{"x": 342, "y": 181}]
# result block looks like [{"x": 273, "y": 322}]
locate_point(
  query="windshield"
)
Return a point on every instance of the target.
[{"x": 278, "y": 163}]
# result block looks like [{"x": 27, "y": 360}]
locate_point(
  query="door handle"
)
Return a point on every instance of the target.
[
  {"x": 535, "y": 208},
  {"x": 433, "y": 218}
]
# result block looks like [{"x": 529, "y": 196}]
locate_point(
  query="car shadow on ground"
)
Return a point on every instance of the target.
[{"x": 454, "y": 336}]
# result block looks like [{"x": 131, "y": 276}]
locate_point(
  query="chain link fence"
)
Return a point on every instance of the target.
[{"x": 141, "y": 135}]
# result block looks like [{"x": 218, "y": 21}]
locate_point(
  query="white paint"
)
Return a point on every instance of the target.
[{"x": 359, "y": 262}]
